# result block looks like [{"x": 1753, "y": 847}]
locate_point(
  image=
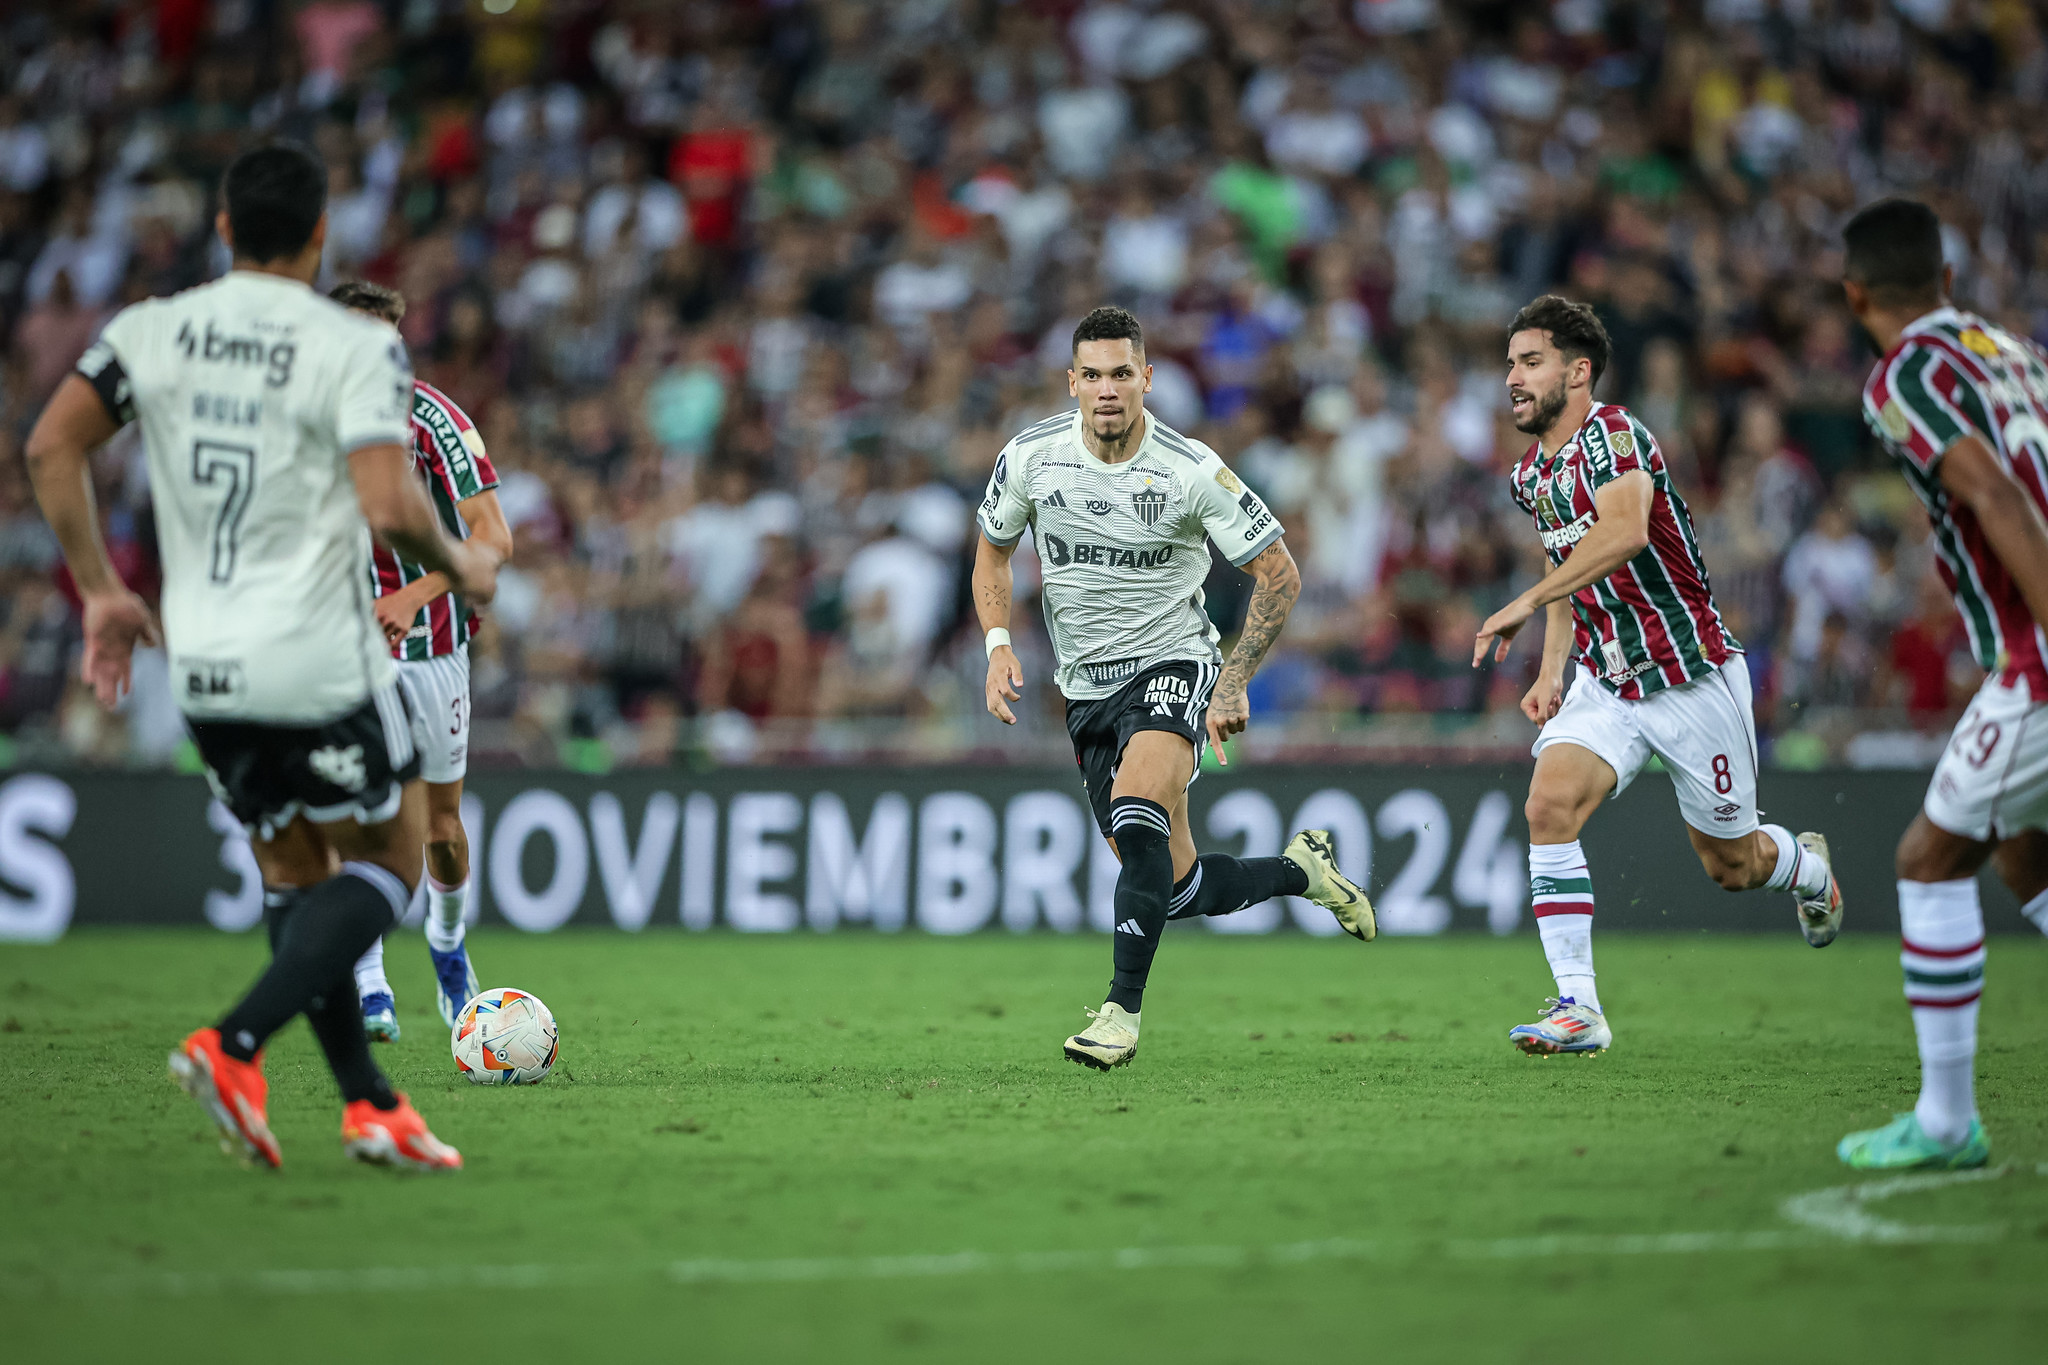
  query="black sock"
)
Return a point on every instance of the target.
[
  {"x": 1219, "y": 884},
  {"x": 336, "y": 1018},
  {"x": 316, "y": 939},
  {"x": 1141, "y": 829}
]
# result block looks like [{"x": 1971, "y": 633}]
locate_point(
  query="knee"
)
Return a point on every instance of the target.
[{"x": 1554, "y": 817}]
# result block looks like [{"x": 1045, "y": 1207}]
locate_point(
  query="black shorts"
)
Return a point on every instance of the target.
[
  {"x": 1172, "y": 696},
  {"x": 355, "y": 766}
]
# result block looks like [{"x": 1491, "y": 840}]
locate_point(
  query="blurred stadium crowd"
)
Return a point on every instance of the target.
[{"x": 746, "y": 296}]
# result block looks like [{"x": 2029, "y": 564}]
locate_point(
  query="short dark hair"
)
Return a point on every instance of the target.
[
  {"x": 275, "y": 195},
  {"x": 374, "y": 299},
  {"x": 1574, "y": 329},
  {"x": 1893, "y": 249},
  {"x": 1110, "y": 324}
]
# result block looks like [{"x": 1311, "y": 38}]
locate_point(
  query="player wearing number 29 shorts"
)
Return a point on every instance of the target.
[
  {"x": 428, "y": 629},
  {"x": 1657, "y": 674},
  {"x": 1962, "y": 407}
]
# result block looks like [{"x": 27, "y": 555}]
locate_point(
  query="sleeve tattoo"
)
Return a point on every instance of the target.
[{"x": 1279, "y": 584}]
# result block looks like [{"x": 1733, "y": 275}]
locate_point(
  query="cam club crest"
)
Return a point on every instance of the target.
[{"x": 1149, "y": 504}]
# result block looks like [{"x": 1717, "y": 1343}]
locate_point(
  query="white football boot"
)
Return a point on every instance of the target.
[
  {"x": 1315, "y": 854},
  {"x": 1111, "y": 1040},
  {"x": 1820, "y": 918},
  {"x": 1566, "y": 1026}
]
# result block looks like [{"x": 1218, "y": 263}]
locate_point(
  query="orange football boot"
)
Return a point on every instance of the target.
[
  {"x": 232, "y": 1092},
  {"x": 395, "y": 1137}
]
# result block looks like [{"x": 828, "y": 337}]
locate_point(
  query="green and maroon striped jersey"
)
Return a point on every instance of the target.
[
  {"x": 1652, "y": 623},
  {"x": 1954, "y": 375},
  {"x": 448, "y": 452}
]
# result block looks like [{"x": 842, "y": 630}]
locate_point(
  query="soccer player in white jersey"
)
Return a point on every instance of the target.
[
  {"x": 1627, "y": 596},
  {"x": 1962, "y": 406},
  {"x": 429, "y": 631},
  {"x": 278, "y": 432},
  {"x": 1122, "y": 510}
]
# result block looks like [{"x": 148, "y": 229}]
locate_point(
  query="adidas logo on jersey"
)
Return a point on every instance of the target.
[{"x": 1053, "y": 499}]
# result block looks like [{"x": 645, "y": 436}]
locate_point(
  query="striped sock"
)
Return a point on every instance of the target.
[
  {"x": 1942, "y": 952},
  {"x": 1797, "y": 870},
  {"x": 1561, "y": 891}
]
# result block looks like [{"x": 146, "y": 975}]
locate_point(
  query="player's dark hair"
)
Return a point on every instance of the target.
[
  {"x": 1110, "y": 324},
  {"x": 373, "y": 299},
  {"x": 1893, "y": 249},
  {"x": 1574, "y": 328},
  {"x": 274, "y": 196}
]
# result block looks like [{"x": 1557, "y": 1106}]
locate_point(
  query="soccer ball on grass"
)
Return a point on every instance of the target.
[{"x": 504, "y": 1037}]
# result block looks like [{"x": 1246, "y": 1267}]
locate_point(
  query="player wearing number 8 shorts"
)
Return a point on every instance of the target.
[
  {"x": 1657, "y": 676},
  {"x": 1962, "y": 406},
  {"x": 428, "y": 629}
]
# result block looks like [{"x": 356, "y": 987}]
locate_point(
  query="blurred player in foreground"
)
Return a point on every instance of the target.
[
  {"x": 1122, "y": 511},
  {"x": 279, "y": 438},
  {"x": 429, "y": 631},
  {"x": 1963, "y": 408},
  {"x": 1627, "y": 595}
]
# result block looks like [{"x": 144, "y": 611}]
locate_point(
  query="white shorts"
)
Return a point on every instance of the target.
[
  {"x": 1704, "y": 731},
  {"x": 440, "y": 698},
  {"x": 1992, "y": 780}
]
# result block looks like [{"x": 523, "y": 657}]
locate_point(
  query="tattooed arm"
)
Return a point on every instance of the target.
[
  {"x": 992, "y": 607},
  {"x": 1279, "y": 583}
]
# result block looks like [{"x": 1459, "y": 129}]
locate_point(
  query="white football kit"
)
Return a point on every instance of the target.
[
  {"x": 1123, "y": 547},
  {"x": 252, "y": 392}
]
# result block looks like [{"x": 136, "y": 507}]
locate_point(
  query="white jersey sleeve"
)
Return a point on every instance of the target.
[
  {"x": 1005, "y": 511},
  {"x": 373, "y": 405},
  {"x": 1239, "y": 524}
]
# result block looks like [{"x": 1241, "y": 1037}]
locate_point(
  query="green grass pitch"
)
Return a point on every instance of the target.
[{"x": 859, "y": 1148}]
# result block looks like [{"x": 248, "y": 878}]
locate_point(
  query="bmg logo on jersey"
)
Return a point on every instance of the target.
[
  {"x": 221, "y": 349},
  {"x": 1166, "y": 692}
]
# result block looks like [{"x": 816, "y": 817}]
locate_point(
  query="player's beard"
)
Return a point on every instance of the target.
[
  {"x": 1116, "y": 440},
  {"x": 1543, "y": 416}
]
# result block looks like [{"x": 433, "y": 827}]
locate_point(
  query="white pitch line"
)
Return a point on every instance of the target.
[{"x": 1826, "y": 1217}]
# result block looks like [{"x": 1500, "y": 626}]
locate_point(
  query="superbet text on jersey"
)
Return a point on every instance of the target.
[
  {"x": 252, "y": 392},
  {"x": 1122, "y": 546}
]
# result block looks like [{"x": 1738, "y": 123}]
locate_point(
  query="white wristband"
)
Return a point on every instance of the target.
[{"x": 997, "y": 638}]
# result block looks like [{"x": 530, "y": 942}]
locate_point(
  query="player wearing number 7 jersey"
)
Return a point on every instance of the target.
[
  {"x": 1657, "y": 673},
  {"x": 1962, "y": 406},
  {"x": 429, "y": 629},
  {"x": 277, "y": 426}
]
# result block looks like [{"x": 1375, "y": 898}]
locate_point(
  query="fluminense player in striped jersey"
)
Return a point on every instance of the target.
[
  {"x": 1657, "y": 674},
  {"x": 428, "y": 629},
  {"x": 1963, "y": 408}
]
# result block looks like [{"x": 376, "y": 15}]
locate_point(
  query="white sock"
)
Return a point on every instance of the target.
[
  {"x": 1561, "y": 895},
  {"x": 445, "y": 905},
  {"x": 1943, "y": 956},
  {"x": 1797, "y": 871},
  {"x": 2037, "y": 911},
  {"x": 370, "y": 977}
]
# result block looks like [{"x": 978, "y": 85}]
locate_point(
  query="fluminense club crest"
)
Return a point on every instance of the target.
[{"x": 1149, "y": 504}]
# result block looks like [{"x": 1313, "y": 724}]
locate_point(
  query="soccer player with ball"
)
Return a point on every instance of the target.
[
  {"x": 1657, "y": 674},
  {"x": 279, "y": 434}
]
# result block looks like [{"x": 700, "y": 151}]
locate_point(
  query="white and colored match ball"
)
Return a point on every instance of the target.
[{"x": 505, "y": 1037}]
